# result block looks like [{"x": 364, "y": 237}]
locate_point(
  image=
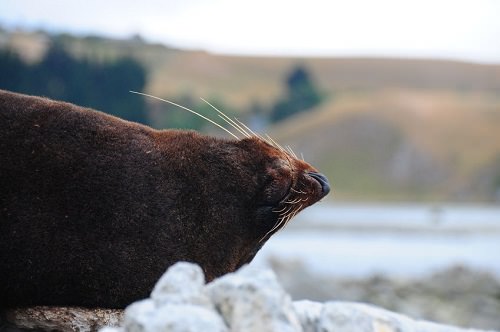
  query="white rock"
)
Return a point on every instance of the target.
[
  {"x": 358, "y": 317},
  {"x": 139, "y": 315},
  {"x": 350, "y": 318},
  {"x": 252, "y": 300},
  {"x": 308, "y": 313},
  {"x": 111, "y": 329},
  {"x": 177, "y": 303},
  {"x": 172, "y": 317},
  {"x": 181, "y": 284}
]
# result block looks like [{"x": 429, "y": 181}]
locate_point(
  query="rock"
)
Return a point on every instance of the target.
[
  {"x": 253, "y": 300},
  {"x": 248, "y": 300},
  {"x": 62, "y": 318},
  {"x": 183, "y": 284},
  {"x": 308, "y": 313},
  {"x": 177, "y": 303},
  {"x": 145, "y": 316},
  {"x": 358, "y": 317}
]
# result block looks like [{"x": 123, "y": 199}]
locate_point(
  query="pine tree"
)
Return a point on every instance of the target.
[{"x": 301, "y": 95}]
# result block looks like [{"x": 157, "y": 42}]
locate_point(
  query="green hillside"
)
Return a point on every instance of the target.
[{"x": 389, "y": 129}]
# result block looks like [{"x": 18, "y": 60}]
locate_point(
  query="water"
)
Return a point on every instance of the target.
[{"x": 398, "y": 240}]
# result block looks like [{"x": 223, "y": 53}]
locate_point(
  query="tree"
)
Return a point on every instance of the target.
[
  {"x": 301, "y": 95},
  {"x": 12, "y": 71},
  {"x": 60, "y": 75}
]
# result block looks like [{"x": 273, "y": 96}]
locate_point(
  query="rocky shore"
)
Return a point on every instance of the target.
[{"x": 248, "y": 300}]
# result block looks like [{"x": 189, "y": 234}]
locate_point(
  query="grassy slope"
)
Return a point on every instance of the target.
[
  {"x": 442, "y": 138},
  {"x": 390, "y": 129}
]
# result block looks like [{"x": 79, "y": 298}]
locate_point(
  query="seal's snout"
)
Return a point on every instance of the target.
[{"x": 322, "y": 180}]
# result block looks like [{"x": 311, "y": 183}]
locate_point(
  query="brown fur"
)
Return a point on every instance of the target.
[{"x": 93, "y": 209}]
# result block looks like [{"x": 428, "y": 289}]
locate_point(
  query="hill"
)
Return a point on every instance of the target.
[{"x": 390, "y": 129}]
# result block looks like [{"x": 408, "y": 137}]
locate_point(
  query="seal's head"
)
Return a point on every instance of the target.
[
  {"x": 252, "y": 188},
  {"x": 237, "y": 194},
  {"x": 287, "y": 184}
]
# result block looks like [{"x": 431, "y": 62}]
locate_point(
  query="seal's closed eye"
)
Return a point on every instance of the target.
[
  {"x": 279, "y": 179},
  {"x": 276, "y": 190}
]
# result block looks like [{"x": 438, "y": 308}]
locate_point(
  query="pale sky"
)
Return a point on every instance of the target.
[{"x": 453, "y": 29}]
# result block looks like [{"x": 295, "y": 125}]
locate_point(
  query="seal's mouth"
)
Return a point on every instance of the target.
[{"x": 308, "y": 189}]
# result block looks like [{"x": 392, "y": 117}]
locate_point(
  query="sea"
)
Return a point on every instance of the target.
[{"x": 406, "y": 240}]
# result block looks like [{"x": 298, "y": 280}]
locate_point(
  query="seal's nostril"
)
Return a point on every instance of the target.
[{"x": 325, "y": 186}]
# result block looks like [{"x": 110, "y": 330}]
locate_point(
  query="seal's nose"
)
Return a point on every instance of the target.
[{"x": 325, "y": 186}]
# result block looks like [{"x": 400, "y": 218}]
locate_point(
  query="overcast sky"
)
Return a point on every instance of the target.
[{"x": 453, "y": 29}]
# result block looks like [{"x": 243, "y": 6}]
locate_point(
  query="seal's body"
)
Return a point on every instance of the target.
[{"x": 93, "y": 209}]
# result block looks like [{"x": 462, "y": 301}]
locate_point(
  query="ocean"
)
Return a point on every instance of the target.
[{"x": 407, "y": 240}]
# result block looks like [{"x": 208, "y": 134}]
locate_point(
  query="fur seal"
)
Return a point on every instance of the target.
[{"x": 93, "y": 209}]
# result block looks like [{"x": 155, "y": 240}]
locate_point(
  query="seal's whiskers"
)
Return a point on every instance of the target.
[
  {"x": 278, "y": 223},
  {"x": 228, "y": 120},
  {"x": 275, "y": 144},
  {"x": 189, "y": 110},
  {"x": 295, "y": 201},
  {"x": 291, "y": 152},
  {"x": 281, "y": 210},
  {"x": 294, "y": 213},
  {"x": 238, "y": 125},
  {"x": 298, "y": 191}
]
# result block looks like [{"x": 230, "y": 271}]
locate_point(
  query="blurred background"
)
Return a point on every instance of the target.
[{"x": 397, "y": 102}]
